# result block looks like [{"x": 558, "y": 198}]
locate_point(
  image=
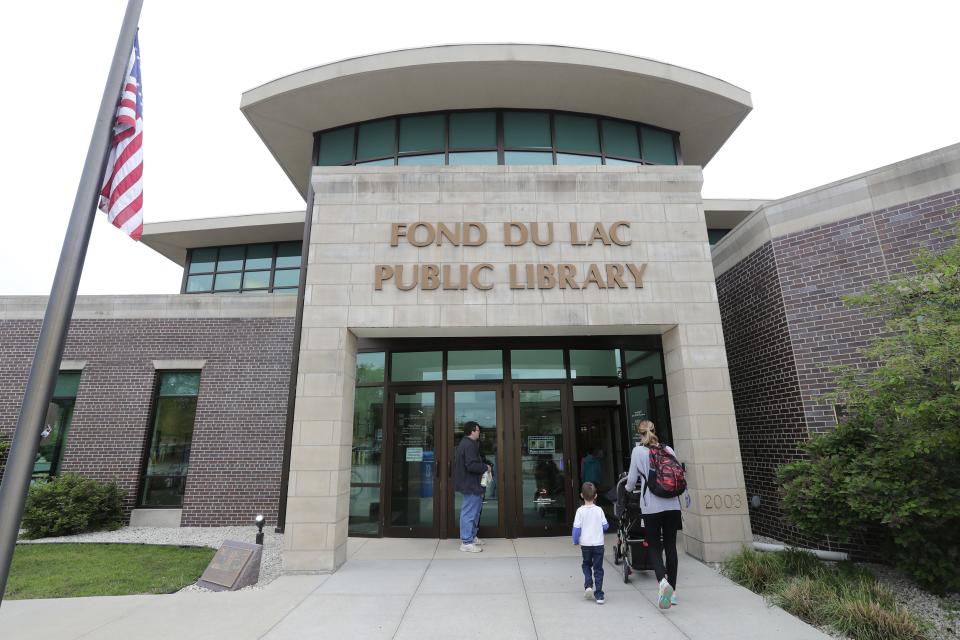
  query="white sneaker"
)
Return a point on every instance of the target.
[
  {"x": 470, "y": 548},
  {"x": 477, "y": 541},
  {"x": 673, "y": 599},
  {"x": 664, "y": 594},
  {"x": 588, "y": 593}
]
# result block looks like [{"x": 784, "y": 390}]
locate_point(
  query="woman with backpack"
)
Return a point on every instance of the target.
[{"x": 662, "y": 480}]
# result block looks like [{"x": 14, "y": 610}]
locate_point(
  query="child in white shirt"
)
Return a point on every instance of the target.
[{"x": 588, "y": 527}]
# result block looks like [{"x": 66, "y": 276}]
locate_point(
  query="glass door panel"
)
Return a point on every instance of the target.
[
  {"x": 544, "y": 476},
  {"x": 413, "y": 463},
  {"x": 480, "y": 406},
  {"x": 639, "y": 407}
]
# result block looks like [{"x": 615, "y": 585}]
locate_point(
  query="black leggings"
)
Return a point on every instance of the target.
[{"x": 665, "y": 525}]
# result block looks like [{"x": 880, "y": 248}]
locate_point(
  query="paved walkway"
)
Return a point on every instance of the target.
[{"x": 420, "y": 589}]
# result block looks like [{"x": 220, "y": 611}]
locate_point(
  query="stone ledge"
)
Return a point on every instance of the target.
[{"x": 185, "y": 306}]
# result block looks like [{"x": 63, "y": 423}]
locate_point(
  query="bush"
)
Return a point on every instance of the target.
[
  {"x": 844, "y": 597},
  {"x": 755, "y": 570},
  {"x": 869, "y": 612},
  {"x": 71, "y": 504},
  {"x": 4, "y": 449},
  {"x": 894, "y": 465},
  {"x": 806, "y": 598}
]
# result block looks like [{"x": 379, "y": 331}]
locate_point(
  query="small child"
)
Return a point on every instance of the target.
[{"x": 588, "y": 527}]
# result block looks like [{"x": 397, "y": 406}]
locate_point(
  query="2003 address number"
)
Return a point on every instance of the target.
[{"x": 723, "y": 501}]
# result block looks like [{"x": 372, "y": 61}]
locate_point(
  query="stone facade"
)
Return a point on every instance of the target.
[
  {"x": 237, "y": 448},
  {"x": 354, "y": 210},
  {"x": 781, "y": 277}
]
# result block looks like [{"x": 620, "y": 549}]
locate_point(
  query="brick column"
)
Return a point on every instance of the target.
[{"x": 716, "y": 524}]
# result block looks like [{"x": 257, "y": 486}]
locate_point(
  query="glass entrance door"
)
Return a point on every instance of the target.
[
  {"x": 413, "y": 464},
  {"x": 544, "y": 491},
  {"x": 480, "y": 404}
]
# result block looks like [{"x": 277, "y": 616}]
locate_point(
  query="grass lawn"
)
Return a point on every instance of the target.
[{"x": 72, "y": 570}]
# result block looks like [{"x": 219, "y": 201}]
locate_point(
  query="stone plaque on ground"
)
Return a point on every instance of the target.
[{"x": 236, "y": 565}]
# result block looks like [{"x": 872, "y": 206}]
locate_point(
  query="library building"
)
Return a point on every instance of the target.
[{"x": 513, "y": 235}]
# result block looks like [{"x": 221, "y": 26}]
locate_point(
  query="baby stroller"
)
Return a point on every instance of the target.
[{"x": 631, "y": 548}]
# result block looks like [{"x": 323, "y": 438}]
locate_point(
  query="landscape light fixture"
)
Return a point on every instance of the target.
[{"x": 259, "y": 521}]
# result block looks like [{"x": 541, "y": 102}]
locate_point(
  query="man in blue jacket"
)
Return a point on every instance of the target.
[{"x": 468, "y": 467}]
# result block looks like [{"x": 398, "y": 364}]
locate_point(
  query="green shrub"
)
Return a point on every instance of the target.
[
  {"x": 4, "y": 449},
  {"x": 842, "y": 596},
  {"x": 71, "y": 504},
  {"x": 755, "y": 570},
  {"x": 868, "y": 611},
  {"x": 894, "y": 465},
  {"x": 799, "y": 562},
  {"x": 807, "y": 598}
]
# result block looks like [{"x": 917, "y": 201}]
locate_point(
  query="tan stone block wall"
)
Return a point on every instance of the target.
[{"x": 353, "y": 213}]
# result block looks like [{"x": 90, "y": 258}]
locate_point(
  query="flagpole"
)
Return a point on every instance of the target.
[{"x": 63, "y": 294}]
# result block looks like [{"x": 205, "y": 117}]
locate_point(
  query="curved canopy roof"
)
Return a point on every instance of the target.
[{"x": 286, "y": 111}]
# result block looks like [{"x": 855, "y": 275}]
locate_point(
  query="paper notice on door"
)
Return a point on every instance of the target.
[
  {"x": 414, "y": 454},
  {"x": 541, "y": 444}
]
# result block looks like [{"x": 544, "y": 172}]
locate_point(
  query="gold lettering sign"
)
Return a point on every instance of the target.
[{"x": 457, "y": 277}]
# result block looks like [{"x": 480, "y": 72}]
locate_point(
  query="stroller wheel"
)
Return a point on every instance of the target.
[{"x": 617, "y": 556}]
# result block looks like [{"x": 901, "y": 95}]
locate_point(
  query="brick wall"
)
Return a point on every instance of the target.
[
  {"x": 766, "y": 395},
  {"x": 237, "y": 449},
  {"x": 786, "y": 327},
  {"x": 819, "y": 266}
]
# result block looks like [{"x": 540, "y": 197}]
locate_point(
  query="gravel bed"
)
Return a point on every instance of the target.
[
  {"x": 270, "y": 566},
  {"x": 943, "y": 614}
]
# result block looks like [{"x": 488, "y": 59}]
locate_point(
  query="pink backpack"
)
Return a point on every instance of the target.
[{"x": 666, "y": 474}]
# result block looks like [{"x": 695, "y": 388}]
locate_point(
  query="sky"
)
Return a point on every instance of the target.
[{"x": 838, "y": 88}]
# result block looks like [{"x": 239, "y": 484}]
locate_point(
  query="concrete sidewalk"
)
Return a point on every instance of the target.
[{"x": 410, "y": 588}]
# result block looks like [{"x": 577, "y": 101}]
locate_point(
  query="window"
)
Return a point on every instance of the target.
[
  {"x": 526, "y": 130},
  {"x": 252, "y": 268},
  {"x": 620, "y": 140},
  {"x": 644, "y": 364},
  {"x": 473, "y": 130},
  {"x": 376, "y": 139},
  {"x": 475, "y": 365},
  {"x": 365, "y": 462},
  {"x": 577, "y": 133},
  {"x": 420, "y": 134},
  {"x": 168, "y": 455},
  {"x": 714, "y": 235},
  {"x": 585, "y": 363},
  {"x": 532, "y": 364},
  {"x": 416, "y": 366},
  {"x": 657, "y": 146},
  {"x": 492, "y": 136},
  {"x": 336, "y": 147},
  {"x": 53, "y": 438}
]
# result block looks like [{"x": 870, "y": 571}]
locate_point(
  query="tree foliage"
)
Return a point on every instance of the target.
[{"x": 895, "y": 462}]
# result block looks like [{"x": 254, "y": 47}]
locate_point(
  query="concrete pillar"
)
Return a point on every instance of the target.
[
  {"x": 716, "y": 523},
  {"x": 319, "y": 490}
]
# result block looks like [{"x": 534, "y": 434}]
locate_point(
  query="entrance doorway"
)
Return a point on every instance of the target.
[
  {"x": 480, "y": 404},
  {"x": 550, "y": 416}
]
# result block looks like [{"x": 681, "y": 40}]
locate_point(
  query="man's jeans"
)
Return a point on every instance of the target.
[
  {"x": 469, "y": 516},
  {"x": 593, "y": 564}
]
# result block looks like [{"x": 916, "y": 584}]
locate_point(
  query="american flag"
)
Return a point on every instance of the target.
[{"x": 121, "y": 197}]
